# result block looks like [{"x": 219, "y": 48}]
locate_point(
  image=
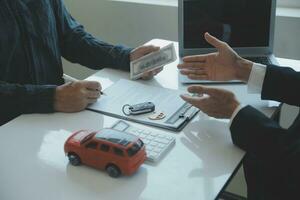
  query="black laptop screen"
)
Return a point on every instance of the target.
[{"x": 241, "y": 23}]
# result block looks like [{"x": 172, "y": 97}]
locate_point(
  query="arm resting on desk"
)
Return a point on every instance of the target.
[{"x": 18, "y": 99}]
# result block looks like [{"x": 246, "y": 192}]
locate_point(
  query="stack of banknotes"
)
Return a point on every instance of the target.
[{"x": 152, "y": 61}]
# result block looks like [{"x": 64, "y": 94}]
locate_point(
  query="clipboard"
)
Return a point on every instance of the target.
[{"x": 178, "y": 112}]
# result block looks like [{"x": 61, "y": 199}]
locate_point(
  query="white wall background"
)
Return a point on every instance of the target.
[
  {"x": 133, "y": 24},
  {"x": 122, "y": 23}
]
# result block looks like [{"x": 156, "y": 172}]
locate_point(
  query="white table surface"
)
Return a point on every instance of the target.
[{"x": 33, "y": 165}]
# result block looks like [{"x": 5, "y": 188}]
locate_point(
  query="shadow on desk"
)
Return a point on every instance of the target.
[
  {"x": 207, "y": 137},
  {"x": 98, "y": 183}
]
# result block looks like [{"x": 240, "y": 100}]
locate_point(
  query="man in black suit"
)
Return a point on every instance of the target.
[{"x": 272, "y": 162}]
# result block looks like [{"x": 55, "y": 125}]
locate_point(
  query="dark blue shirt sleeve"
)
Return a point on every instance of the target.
[
  {"x": 78, "y": 46},
  {"x": 17, "y": 99}
]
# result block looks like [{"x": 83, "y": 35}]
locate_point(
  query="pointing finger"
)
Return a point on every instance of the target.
[
  {"x": 204, "y": 90},
  {"x": 148, "y": 49},
  {"x": 191, "y": 100},
  {"x": 193, "y": 72},
  {"x": 198, "y": 58},
  {"x": 194, "y": 65}
]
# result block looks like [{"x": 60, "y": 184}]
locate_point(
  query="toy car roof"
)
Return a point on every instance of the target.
[{"x": 116, "y": 137}]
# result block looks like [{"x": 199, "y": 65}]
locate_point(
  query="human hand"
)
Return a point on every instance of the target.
[
  {"x": 214, "y": 102},
  {"x": 223, "y": 65},
  {"x": 76, "y": 96},
  {"x": 142, "y": 51}
]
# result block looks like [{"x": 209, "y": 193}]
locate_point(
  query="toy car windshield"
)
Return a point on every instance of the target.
[
  {"x": 116, "y": 137},
  {"x": 135, "y": 148}
]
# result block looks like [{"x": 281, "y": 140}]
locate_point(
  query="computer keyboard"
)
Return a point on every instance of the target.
[
  {"x": 157, "y": 145},
  {"x": 262, "y": 60}
]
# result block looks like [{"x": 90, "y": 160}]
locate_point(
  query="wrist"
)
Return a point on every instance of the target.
[
  {"x": 244, "y": 68},
  {"x": 57, "y": 99},
  {"x": 235, "y": 105}
]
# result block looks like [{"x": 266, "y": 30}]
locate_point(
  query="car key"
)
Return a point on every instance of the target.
[{"x": 138, "y": 109}]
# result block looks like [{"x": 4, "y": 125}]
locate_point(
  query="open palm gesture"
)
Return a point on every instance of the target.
[{"x": 223, "y": 65}]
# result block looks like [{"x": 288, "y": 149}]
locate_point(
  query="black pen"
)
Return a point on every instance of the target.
[{"x": 102, "y": 93}]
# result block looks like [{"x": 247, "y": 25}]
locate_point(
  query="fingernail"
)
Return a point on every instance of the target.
[
  {"x": 197, "y": 95},
  {"x": 184, "y": 95}
]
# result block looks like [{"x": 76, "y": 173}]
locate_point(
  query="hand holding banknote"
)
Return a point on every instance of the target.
[
  {"x": 151, "y": 63},
  {"x": 141, "y": 52}
]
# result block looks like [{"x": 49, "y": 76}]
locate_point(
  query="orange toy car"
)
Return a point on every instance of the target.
[{"x": 116, "y": 152}]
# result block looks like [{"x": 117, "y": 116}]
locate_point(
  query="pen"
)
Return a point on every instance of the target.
[{"x": 72, "y": 79}]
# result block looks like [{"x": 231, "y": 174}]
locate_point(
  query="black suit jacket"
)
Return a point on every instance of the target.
[{"x": 275, "y": 172}]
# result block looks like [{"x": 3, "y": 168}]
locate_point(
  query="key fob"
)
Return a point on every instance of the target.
[{"x": 142, "y": 108}]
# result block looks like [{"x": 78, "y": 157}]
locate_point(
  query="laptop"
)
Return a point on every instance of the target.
[{"x": 246, "y": 25}]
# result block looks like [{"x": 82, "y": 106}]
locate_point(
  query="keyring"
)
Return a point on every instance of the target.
[{"x": 123, "y": 109}]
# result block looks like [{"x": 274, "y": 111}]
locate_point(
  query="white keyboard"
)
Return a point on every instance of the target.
[{"x": 157, "y": 145}]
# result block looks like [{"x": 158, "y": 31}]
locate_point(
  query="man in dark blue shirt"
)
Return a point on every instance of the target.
[{"x": 34, "y": 35}]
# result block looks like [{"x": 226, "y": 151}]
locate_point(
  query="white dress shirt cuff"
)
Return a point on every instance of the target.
[
  {"x": 256, "y": 78},
  {"x": 255, "y": 84}
]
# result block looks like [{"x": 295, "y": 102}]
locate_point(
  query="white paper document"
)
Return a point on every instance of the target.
[{"x": 177, "y": 112}]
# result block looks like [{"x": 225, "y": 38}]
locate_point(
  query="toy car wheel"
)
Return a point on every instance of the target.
[
  {"x": 113, "y": 171},
  {"x": 74, "y": 159}
]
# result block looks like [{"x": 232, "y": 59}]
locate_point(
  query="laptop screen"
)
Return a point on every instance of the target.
[{"x": 240, "y": 23}]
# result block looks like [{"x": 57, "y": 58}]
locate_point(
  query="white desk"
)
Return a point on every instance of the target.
[{"x": 33, "y": 165}]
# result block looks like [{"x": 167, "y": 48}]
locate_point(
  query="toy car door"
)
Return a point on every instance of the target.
[{"x": 91, "y": 152}]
